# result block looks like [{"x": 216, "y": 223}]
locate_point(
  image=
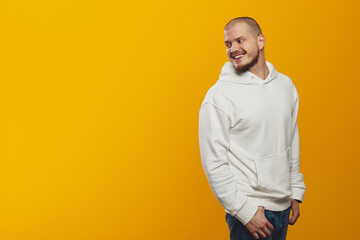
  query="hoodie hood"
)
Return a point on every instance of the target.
[{"x": 229, "y": 74}]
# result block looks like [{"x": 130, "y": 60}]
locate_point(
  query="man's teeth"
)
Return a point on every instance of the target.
[{"x": 238, "y": 56}]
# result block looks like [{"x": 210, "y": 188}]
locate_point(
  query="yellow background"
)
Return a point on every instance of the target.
[{"x": 99, "y": 115}]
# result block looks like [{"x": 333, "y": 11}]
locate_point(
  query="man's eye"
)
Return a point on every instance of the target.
[{"x": 239, "y": 41}]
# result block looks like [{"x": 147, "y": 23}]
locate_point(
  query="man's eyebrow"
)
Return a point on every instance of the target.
[{"x": 241, "y": 37}]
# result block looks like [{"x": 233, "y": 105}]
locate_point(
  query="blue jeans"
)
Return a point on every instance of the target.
[{"x": 279, "y": 220}]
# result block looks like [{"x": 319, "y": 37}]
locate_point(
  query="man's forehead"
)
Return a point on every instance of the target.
[
  {"x": 236, "y": 30},
  {"x": 237, "y": 27}
]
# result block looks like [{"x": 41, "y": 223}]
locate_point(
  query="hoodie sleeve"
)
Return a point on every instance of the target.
[
  {"x": 297, "y": 180},
  {"x": 214, "y": 143}
]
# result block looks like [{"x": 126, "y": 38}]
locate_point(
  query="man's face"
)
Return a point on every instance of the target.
[{"x": 242, "y": 47}]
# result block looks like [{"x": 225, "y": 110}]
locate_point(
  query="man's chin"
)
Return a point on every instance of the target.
[{"x": 240, "y": 68}]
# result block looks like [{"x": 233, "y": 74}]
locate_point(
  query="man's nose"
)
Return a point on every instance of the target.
[{"x": 234, "y": 47}]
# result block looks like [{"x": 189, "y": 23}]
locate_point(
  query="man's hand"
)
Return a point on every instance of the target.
[
  {"x": 258, "y": 224},
  {"x": 295, "y": 211}
]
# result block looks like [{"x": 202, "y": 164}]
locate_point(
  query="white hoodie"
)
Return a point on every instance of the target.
[{"x": 249, "y": 142}]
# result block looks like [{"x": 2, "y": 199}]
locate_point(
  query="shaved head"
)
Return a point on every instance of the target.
[{"x": 253, "y": 26}]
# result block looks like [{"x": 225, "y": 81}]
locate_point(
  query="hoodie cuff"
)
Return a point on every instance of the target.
[
  {"x": 246, "y": 212},
  {"x": 298, "y": 194}
]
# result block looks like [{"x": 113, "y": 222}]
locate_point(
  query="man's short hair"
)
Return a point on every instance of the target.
[{"x": 254, "y": 27}]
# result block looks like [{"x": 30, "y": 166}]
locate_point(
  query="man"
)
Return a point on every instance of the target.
[{"x": 249, "y": 140}]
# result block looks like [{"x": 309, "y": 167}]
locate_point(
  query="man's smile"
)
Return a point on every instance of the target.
[{"x": 238, "y": 56}]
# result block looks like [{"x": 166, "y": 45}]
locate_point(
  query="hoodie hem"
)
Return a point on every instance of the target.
[
  {"x": 271, "y": 204},
  {"x": 251, "y": 205}
]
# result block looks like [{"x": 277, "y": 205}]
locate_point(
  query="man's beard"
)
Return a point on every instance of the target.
[{"x": 247, "y": 67}]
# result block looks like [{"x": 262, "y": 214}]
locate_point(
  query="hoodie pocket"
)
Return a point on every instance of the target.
[{"x": 273, "y": 174}]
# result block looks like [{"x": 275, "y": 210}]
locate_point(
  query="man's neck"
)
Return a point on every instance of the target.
[{"x": 260, "y": 69}]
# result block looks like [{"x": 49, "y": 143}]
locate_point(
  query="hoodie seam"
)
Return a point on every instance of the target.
[
  {"x": 293, "y": 95},
  {"x": 217, "y": 107}
]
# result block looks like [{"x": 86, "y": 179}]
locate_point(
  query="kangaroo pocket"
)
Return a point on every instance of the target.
[{"x": 273, "y": 174}]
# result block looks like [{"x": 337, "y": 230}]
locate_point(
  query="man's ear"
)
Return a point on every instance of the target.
[{"x": 261, "y": 41}]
